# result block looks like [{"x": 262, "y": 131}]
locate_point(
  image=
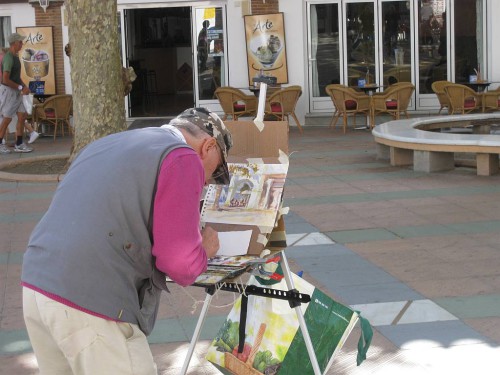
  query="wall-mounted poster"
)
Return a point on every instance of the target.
[
  {"x": 266, "y": 51},
  {"x": 37, "y": 59}
]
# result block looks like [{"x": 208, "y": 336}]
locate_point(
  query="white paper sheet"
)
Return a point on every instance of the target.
[{"x": 234, "y": 243}]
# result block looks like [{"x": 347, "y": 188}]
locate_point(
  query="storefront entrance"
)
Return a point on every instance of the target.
[{"x": 178, "y": 56}]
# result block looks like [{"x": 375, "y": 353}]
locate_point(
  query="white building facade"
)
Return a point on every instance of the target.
[{"x": 179, "y": 63}]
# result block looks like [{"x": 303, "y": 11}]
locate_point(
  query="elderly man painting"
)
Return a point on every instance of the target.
[{"x": 125, "y": 215}]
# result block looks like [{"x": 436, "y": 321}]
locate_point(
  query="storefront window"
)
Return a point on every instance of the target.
[
  {"x": 325, "y": 54},
  {"x": 360, "y": 40},
  {"x": 396, "y": 47},
  {"x": 5, "y": 31},
  {"x": 468, "y": 40},
  {"x": 432, "y": 48},
  {"x": 389, "y": 41},
  {"x": 210, "y": 51}
]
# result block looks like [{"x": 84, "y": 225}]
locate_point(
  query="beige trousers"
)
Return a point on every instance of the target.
[{"x": 69, "y": 341}]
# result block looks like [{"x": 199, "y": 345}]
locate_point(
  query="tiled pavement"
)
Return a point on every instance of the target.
[{"x": 418, "y": 254}]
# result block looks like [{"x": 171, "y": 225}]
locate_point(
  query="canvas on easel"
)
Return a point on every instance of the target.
[
  {"x": 258, "y": 165},
  {"x": 250, "y": 202},
  {"x": 245, "y": 212}
]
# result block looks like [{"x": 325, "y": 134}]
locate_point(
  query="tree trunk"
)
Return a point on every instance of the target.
[{"x": 98, "y": 105}]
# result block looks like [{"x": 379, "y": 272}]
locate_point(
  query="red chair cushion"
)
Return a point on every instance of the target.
[
  {"x": 50, "y": 113},
  {"x": 276, "y": 107},
  {"x": 391, "y": 104},
  {"x": 351, "y": 104},
  {"x": 469, "y": 103},
  {"x": 239, "y": 107}
]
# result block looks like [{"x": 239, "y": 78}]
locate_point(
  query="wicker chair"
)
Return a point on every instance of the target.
[
  {"x": 54, "y": 111},
  {"x": 490, "y": 100},
  {"x": 348, "y": 102},
  {"x": 394, "y": 101},
  {"x": 236, "y": 103},
  {"x": 281, "y": 104},
  {"x": 462, "y": 98},
  {"x": 438, "y": 88}
]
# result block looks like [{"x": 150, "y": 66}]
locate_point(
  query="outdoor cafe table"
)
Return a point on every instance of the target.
[
  {"x": 256, "y": 89},
  {"x": 478, "y": 86},
  {"x": 369, "y": 89}
]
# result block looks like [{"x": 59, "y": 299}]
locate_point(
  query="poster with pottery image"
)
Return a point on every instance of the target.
[
  {"x": 266, "y": 50},
  {"x": 37, "y": 59}
]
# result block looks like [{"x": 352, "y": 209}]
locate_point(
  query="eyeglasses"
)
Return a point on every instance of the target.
[
  {"x": 219, "y": 152},
  {"x": 220, "y": 170},
  {"x": 221, "y": 159}
]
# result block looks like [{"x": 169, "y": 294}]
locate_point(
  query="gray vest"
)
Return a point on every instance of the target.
[{"x": 93, "y": 245}]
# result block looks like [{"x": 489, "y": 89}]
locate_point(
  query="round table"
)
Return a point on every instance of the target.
[
  {"x": 478, "y": 86},
  {"x": 369, "y": 89}
]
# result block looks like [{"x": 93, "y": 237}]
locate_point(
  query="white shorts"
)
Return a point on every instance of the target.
[
  {"x": 69, "y": 341},
  {"x": 11, "y": 102}
]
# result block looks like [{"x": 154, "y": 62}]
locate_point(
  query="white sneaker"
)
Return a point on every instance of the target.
[
  {"x": 4, "y": 149},
  {"x": 22, "y": 148},
  {"x": 33, "y": 136}
]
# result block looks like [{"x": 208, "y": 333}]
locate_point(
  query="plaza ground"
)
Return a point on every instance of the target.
[{"x": 418, "y": 254}]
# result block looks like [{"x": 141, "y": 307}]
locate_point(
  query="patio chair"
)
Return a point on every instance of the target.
[
  {"x": 490, "y": 100},
  {"x": 393, "y": 101},
  {"x": 438, "y": 88},
  {"x": 462, "y": 98},
  {"x": 235, "y": 103},
  {"x": 347, "y": 102},
  {"x": 54, "y": 111},
  {"x": 281, "y": 104}
]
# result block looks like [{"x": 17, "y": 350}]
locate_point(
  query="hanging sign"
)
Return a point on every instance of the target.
[
  {"x": 37, "y": 59},
  {"x": 266, "y": 51}
]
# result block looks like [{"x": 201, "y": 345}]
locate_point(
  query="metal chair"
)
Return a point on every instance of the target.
[
  {"x": 54, "y": 111},
  {"x": 236, "y": 103},
  {"x": 281, "y": 104}
]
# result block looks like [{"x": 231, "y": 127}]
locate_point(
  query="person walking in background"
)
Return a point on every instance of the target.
[
  {"x": 203, "y": 46},
  {"x": 33, "y": 135},
  {"x": 96, "y": 262},
  {"x": 11, "y": 91}
]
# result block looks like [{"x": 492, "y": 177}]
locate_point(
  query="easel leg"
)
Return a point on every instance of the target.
[
  {"x": 196, "y": 333},
  {"x": 300, "y": 316}
]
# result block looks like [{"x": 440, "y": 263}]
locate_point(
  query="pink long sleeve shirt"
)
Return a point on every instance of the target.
[{"x": 177, "y": 239}]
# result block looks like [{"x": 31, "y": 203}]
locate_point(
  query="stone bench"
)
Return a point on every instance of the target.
[{"x": 430, "y": 143}]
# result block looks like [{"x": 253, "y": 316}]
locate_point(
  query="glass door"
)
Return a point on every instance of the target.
[
  {"x": 210, "y": 57},
  {"x": 469, "y": 42},
  {"x": 432, "y": 44},
  {"x": 324, "y": 52},
  {"x": 158, "y": 46},
  {"x": 361, "y": 42},
  {"x": 396, "y": 42},
  {"x": 389, "y": 41}
]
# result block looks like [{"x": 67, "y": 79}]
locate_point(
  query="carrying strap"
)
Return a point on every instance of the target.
[
  {"x": 365, "y": 339},
  {"x": 243, "y": 322}
]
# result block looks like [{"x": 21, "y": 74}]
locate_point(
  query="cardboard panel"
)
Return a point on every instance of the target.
[{"x": 249, "y": 142}]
